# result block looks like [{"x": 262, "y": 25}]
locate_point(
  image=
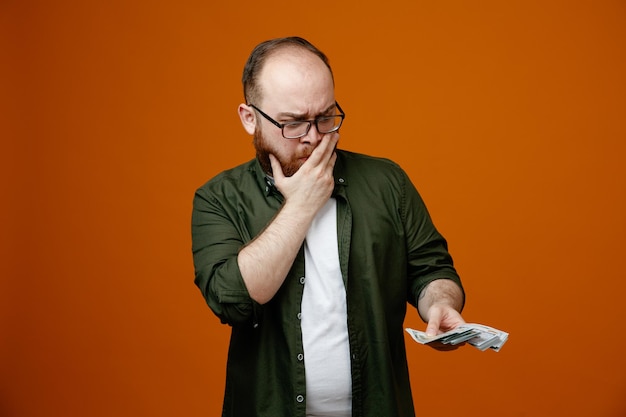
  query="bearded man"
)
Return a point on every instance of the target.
[{"x": 312, "y": 254}]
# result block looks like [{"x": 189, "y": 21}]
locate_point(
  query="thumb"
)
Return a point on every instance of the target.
[
  {"x": 433, "y": 324},
  {"x": 277, "y": 170}
]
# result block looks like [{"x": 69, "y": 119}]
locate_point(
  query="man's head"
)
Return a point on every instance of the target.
[
  {"x": 286, "y": 80},
  {"x": 256, "y": 60}
]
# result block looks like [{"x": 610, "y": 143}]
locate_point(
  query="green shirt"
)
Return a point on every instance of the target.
[{"x": 389, "y": 250}]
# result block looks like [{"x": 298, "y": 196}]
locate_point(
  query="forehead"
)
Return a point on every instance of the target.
[{"x": 297, "y": 78}]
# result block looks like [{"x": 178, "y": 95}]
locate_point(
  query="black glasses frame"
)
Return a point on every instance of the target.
[{"x": 281, "y": 126}]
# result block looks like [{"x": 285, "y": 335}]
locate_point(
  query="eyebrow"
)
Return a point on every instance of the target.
[{"x": 302, "y": 116}]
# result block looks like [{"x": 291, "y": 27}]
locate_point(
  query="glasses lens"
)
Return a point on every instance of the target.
[
  {"x": 295, "y": 130},
  {"x": 328, "y": 124}
]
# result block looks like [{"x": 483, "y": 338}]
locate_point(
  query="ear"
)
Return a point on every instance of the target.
[{"x": 248, "y": 118}]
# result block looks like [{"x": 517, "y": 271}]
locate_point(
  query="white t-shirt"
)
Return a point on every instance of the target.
[{"x": 324, "y": 321}]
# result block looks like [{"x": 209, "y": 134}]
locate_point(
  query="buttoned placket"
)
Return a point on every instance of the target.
[{"x": 300, "y": 357}]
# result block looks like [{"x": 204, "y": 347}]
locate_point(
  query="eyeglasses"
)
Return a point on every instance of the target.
[{"x": 300, "y": 128}]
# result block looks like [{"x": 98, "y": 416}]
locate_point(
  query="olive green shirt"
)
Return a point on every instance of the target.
[{"x": 389, "y": 250}]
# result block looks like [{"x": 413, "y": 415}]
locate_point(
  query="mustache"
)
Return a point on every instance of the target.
[{"x": 304, "y": 155}]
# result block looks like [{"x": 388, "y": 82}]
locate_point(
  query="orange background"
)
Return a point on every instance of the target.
[{"x": 508, "y": 116}]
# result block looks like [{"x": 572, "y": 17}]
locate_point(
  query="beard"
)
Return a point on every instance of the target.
[{"x": 264, "y": 149}]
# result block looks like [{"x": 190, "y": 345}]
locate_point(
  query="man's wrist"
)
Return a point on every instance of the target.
[{"x": 443, "y": 291}]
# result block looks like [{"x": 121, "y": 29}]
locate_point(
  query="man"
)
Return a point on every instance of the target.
[{"x": 311, "y": 253}]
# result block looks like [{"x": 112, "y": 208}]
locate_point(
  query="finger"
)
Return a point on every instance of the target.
[
  {"x": 433, "y": 324},
  {"x": 334, "y": 140},
  {"x": 324, "y": 151},
  {"x": 332, "y": 160},
  {"x": 332, "y": 143},
  {"x": 445, "y": 348}
]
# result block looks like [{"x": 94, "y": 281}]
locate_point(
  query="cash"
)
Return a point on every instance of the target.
[{"x": 478, "y": 335}]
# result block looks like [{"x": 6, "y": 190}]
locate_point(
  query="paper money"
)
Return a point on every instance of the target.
[{"x": 478, "y": 335}]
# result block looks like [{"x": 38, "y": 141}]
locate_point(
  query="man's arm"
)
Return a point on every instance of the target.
[
  {"x": 440, "y": 304},
  {"x": 265, "y": 261}
]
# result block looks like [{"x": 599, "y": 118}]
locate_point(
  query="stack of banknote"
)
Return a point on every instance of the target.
[{"x": 478, "y": 335}]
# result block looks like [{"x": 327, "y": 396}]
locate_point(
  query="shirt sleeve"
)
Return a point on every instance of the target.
[
  {"x": 216, "y": 243},
  {"x": 428, "y": 256}
]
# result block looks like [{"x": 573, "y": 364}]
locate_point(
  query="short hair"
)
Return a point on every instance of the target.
[{"x": 259, "y": 55}]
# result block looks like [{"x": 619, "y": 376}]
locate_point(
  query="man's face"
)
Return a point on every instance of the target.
[
  {"x": 290, "y": 161},
  {"x": 296, "y": 85}
]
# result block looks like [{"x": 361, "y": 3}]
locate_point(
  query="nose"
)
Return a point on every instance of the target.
[{"x": 313, "y": 136}]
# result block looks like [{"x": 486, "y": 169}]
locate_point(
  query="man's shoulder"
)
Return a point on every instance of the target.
[
  {"x": 365, "y": 176},
  {"x": 367, "y": 165},
  {"x": 235, "y": 176}
]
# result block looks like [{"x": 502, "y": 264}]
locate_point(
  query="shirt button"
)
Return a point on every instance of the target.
[
  {"x": 301, "y": 280},
  {"x": 341, "y": 180},
  {"x": 300, "y": 356},
  {"x": 299, "y": 316},
  {"x": 299, "y": 398}
]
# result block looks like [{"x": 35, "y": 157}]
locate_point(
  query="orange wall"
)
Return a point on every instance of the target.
[{"x": 508, "y": 116}]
